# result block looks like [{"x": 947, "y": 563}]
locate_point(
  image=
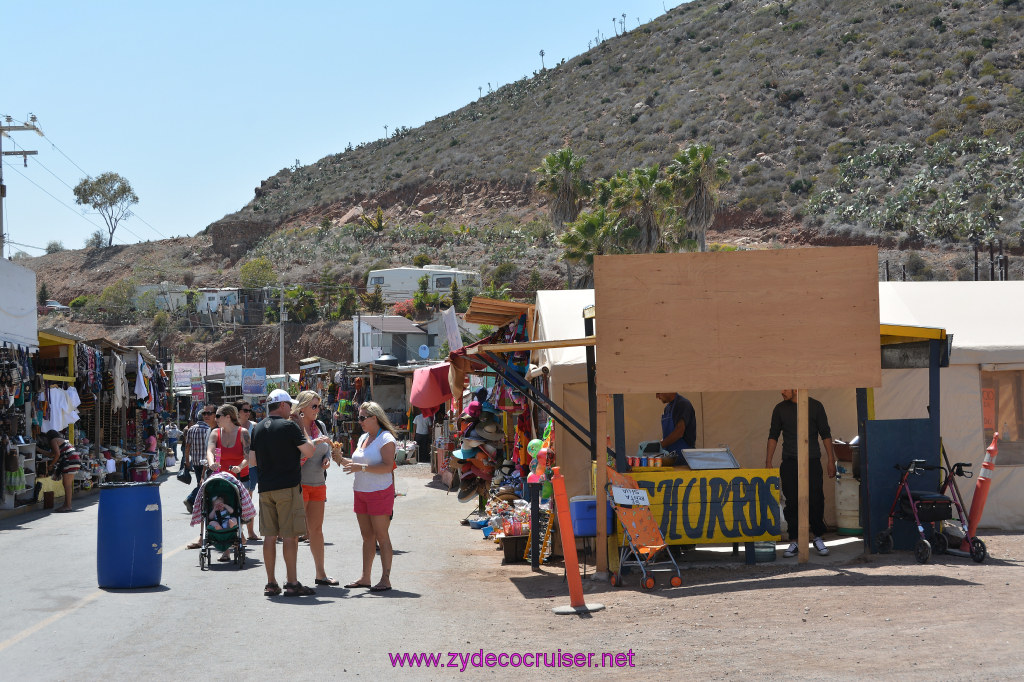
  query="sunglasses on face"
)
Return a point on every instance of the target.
[
  {"x": 207, "y": 414},
  {"x": 364, "y": 416},
  {"x": 245, "y": 409},
  {"x": 316, "y": 407}
]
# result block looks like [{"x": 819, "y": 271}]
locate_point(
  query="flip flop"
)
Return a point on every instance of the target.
[
  {"x": 224, "y": 557},
  {"x": 271, "y": 590},
  {"x": 326, "y": 581},
  {"x": 298, "y": 590},
  {"x": 380, "y": 588},
  {"x": 352, "y": 586}
]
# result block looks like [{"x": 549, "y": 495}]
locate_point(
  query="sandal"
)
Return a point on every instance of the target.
[
  {"x": 271, "y": 590},
  {"x": 194, "y": 545},
  {"x": 297, "y": 590},
  {"x": 356, "y": 584},
  {"x": 326, "y": 581}
]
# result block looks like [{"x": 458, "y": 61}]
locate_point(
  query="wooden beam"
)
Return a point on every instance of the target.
[
  {"x": 601, "y": 478},
  {"x": 531, "y": 345},
  {"x": 803, "y": 477}
]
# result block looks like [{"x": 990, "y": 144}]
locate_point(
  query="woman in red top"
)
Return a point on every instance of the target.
[{"x": 227, "y": 449}]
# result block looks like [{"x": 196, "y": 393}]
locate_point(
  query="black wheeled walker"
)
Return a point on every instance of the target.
[{"x": 927, "y": 507}]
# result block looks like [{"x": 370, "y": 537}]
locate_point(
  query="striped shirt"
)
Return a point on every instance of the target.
[{"x": 195, "y": 439}]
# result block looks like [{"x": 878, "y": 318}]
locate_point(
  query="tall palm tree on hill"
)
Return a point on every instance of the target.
[
  {"x": 637, "y": 197},
  {"x": 563, "y": 182},
  {"x": 696, "y": 177}
]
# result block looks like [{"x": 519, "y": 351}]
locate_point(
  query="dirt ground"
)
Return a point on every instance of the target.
[{"x": 849, "y": 615}]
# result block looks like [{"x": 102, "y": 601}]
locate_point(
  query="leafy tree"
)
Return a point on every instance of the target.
[
  {"x": 456, "y": 297},
  {"x": 147, "y": 303},
  {"x": 20, "y": 255},
  {"x": 43, "y": 295},
  {"x": 377, "y": 224},
  {"x": 406, "y": 308},
  {"x": 422, "y": 298},
  {"x": 696, "y": 177},
  {"x": 348, "y": 301},
  {"x": 257, "y": 273},
  {"x": 55, "y": 246},
  {"x": 115, "y": 303},
  {"x": 94, "y": 240},
  {"x": 79, "y": 302},
  {"x": 420, "y": 260},
  {"x": 328, "y": 289},
  {"x": 535, "y": 282},
  {"x": 109, "y": 194},
  {"x": 161, "y": 323},
  {"x": 374, "y": 302}
]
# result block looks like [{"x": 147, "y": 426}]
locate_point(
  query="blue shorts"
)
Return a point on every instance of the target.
[{"x": 253, "y": 479}]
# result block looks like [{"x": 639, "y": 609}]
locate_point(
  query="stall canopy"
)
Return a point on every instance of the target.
[
  {"x": 18, "y": 306},
  {"x": 430, "y": 388},
  {"x": 987, "y": 351}
]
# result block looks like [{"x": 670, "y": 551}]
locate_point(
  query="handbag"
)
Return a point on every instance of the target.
[{"x": 184, "y": 475}]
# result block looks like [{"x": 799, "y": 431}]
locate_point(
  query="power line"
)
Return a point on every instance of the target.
[{"x": 87, "y": 174}]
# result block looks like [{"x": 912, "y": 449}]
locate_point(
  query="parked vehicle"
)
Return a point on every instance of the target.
[
  {"x": 52, "y": 306},
  {"x": 399, "y": 284}
]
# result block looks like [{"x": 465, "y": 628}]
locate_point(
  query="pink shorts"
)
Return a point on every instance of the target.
[{"x": 377, "y": 503}]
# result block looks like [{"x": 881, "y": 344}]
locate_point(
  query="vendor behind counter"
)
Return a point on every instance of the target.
[{"x": 678, "y": 423}]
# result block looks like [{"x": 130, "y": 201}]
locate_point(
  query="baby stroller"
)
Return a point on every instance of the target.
[
  {"x": 925, "y": 507},
  {"x": 221, "y": 539}
]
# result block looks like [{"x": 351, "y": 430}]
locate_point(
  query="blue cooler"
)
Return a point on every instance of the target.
[
  {"x": 583, "y": 510},
  {"x": 129, "y": 540}
]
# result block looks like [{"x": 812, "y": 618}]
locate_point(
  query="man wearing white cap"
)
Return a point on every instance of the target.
[{"x": 281, "y": 447}]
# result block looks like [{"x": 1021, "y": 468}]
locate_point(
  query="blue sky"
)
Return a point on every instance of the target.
[{"x": 196, "y": 103}]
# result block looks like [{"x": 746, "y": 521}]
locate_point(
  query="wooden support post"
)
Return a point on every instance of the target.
[
  {"x": 601, "y": 478},
  {"x": 803, "y": 467}
]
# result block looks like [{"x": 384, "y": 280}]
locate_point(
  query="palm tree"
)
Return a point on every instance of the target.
[
  {"x": 696, "y": 178},
  {"x": 542, "y": 60},
  {"x": 593, "y": 233},
  {"x": 563, "y": 182},
  {"x": 377, "y": 224},
  {"x": 637, "y": 197}
]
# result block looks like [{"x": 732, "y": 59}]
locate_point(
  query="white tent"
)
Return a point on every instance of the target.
[
  {"x": 988, "y": 345},
  {"x": 988, "y": 336}
]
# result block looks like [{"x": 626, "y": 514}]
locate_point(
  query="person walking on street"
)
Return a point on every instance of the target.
[
  {"x": 314, "y": 483},
  {"x": 281, "y": 448},
  {"x": 244, "y": 409},
  {"x": 227, "y": 449},
  {"x": 784, "y": 421},
  {"x": 172, "y": 433},
  {"x": 373, "y": 464},
  {"x": 194, "y": 455},
  {"x": 422, "y": 426}
]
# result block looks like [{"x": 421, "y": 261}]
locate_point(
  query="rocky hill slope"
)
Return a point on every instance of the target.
[{"x": 865, "y": 121}]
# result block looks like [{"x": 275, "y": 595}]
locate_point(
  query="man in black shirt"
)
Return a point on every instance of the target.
[
  {"x": 784, "y": 418},
  {"x": 280, "y": 447}
]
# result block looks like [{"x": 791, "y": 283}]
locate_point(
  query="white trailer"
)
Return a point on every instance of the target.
[{"x": 399, "y": 284}]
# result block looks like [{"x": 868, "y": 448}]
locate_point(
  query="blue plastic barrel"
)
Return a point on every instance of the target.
[{"x": 129, "y": 540}]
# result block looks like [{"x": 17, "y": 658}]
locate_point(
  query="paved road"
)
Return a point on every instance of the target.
[
  {"x": 846, "y": 615},
  {"x": 58, "y": 625}
]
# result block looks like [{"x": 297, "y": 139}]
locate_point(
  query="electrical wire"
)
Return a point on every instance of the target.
[{"x": 87, "y": 174}]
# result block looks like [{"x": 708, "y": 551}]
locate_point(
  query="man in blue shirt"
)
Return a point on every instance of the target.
[{"x": 678, "y": 423}]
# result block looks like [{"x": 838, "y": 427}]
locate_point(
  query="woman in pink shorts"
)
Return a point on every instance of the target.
[{"x": 373, "y": 463}]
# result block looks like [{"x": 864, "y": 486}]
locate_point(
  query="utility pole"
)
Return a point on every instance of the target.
[
  {"x": 282, "y": 318},
  {"x": 4, "y": 129}
]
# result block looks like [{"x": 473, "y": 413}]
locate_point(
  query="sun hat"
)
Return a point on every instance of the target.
[
  {"x": 489, "y": 431},
  {"x": 472, "y": 410},
  {"x": 467, "y": 452},
  {"x": 279, "y": 395}
]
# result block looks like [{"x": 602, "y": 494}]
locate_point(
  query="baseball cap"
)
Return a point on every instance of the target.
[{"x": 279, "y": 395}]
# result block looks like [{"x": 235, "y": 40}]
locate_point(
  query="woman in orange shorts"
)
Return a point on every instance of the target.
[{"x": 314, "y": 481}]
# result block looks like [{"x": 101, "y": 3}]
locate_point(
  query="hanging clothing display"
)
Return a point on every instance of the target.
[{"x": 119, "y": 379}]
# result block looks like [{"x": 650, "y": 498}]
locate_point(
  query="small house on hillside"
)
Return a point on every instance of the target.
[
  {"x": 399, "y": 284},
  {"x": 377, "y": 335},
  {"x": 166, "y": 296}
]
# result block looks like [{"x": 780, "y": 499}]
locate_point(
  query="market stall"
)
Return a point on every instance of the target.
[{"x": 729, "y": 322}]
